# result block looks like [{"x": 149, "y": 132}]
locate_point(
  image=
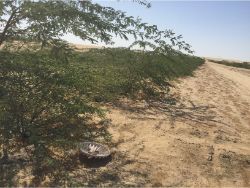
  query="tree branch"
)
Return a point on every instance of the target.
[{"x": 8, "y": 24}]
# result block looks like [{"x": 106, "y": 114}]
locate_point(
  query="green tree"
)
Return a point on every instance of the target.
[
  {"x": 38, "y": 95},
  {"x": 44, "y": 21}
]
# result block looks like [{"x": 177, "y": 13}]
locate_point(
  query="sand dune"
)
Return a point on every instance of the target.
[
  {"x": 202, "y": 140},
  {"x": 221, "y": 59},
  {"x": 84, "y": 47}
]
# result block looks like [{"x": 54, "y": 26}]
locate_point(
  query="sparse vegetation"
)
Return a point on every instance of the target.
[{"x": 245, "y": 65}]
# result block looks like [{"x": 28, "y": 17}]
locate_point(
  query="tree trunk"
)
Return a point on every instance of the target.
[{"x": 8, "y": 24}]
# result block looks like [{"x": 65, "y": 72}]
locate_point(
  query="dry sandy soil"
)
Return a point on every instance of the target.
[{"x": 201, "y": 140}]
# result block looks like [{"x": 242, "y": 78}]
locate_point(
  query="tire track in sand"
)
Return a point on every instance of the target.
[{"x": 203, "y": 140}]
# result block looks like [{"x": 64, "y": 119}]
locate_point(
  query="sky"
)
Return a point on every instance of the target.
[{"x": 219, "y": 29}]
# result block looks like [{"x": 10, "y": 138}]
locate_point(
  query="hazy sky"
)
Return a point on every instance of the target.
[{"x": 214, "y": 29}]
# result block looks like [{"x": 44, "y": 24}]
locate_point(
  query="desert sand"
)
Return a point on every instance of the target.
[
  {"x": 202, "y": 140},
  {"x": 223, "y": 59}
]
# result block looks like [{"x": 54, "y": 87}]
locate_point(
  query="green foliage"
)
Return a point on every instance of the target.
[
  {"x": 40, "y": 92},
  {"x": 40, "y": 101},
  {"x": 110, "y": 73},
  {"x": 44, "y": 21},
  {"x": 245, "y": 65}
]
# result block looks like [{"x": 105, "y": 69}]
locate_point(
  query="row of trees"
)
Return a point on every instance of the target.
[{"x": 38, "y": 99}]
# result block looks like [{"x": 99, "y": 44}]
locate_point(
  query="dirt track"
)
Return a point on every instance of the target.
[{"x": 202, "y": 140}]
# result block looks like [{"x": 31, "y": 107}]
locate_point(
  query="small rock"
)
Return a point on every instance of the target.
[{"x": 210, "y": 158}]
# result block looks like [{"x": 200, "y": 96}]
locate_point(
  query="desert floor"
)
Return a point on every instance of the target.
[{"x": 202, "y": 139}]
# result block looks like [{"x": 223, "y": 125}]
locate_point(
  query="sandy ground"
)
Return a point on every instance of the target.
[
  {"x": 84, "y": 47},
  {"x": 201, "y": 140}
]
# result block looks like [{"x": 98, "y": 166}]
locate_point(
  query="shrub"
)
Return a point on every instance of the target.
[{"x": 40, "y": 102}]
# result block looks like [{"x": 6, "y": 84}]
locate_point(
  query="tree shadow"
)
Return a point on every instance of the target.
[
  {"x": 175, "y": 110},
  {"x": 9, "y": 169},
  {"x": 74, "y": 170},
  {"x": 94, "y": 162},
  {"x": 189, "y": 111},
  {"x": 50, "y": 165},
  {"x": 116, "y": 173},
  {"x": 69, "y": 169}
]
